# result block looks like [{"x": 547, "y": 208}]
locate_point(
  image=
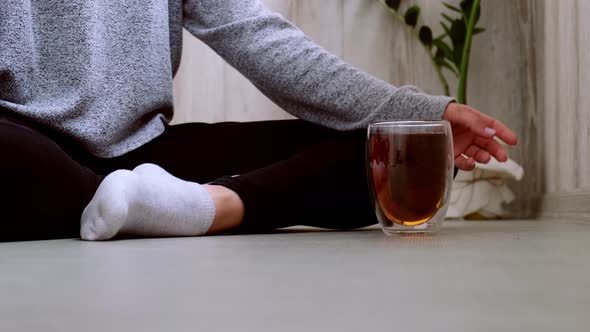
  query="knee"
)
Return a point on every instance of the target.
[
  {"x": 43, "y": 190},
  {"x": 22, "y": 157},
  {"x": 31, "y": 159},
  {"x": 15, "y": 146},
  {"x": 27, "y": 155}
]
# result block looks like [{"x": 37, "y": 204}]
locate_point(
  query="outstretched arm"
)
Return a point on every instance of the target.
[{"x": 297, "y": 74}]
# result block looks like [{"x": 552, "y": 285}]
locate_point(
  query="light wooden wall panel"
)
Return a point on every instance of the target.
[
  {"x": 567, "y": 108},
  {"x": 567, "y": 66},
  {"x": 567, "y": 78},
  {"x": 551, "y": 85},
  {"x": 583, "y": 107},
  {"x": 503, "y": 83}
]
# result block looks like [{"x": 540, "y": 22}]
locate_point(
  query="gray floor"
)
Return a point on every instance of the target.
[{"x": 473, "y": 276}]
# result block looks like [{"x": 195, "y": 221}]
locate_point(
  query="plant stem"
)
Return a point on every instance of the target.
[
  {"x": 439, "y": 73},
  {"x": 462, "y": 90},
  {"x": 441, "y": 76}
]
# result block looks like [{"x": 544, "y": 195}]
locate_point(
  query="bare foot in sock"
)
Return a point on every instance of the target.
[{"x": 147, "y": 201}]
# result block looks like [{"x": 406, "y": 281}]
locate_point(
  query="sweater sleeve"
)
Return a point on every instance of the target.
[{"x": 297, "y": 74}]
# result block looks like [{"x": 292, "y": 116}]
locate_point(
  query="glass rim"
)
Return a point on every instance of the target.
[{"x": 410, "y": 123}]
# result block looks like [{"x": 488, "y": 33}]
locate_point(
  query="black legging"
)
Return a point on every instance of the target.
[{"x": 290, "y": 173}]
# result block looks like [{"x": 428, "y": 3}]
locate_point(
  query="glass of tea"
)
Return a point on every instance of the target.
[{"x": 410, "y": 168}]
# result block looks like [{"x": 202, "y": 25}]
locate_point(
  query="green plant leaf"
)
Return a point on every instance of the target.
[
  {"x": 446, "y": 28},
  {"x": 450, "y": 67},
  {"x": 447, "y": 17},
  {"x": 425, "y": 35},
  {"x": 466, "y": 6},
  {"x": 478, "y": 30},
  {"x": 393, "y": 4},
  {"x": 441, "y": 36},
  {"x": 477, "y": 14},
  {"x": 453, "y": 8},
  {"x": 444, "y": 48},
  {"x": 440, "y": 61},
  {"x": 458, "y": 32},
  {"x": 411, "y": 16},
  {"x": 439, "y": 57},
  {"x": 458, "y": 35}
]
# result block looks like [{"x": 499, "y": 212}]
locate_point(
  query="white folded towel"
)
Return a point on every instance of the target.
[{"x": 484, "y": 191}]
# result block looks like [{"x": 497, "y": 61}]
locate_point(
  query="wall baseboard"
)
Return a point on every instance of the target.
[{"x": 573, "y": 205}]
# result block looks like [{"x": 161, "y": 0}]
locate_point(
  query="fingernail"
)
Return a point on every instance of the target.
[{"x": 490, "y": 131}]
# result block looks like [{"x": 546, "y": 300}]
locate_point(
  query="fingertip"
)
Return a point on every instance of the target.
[
  {"x": 482, "y": 156},
  {"x": 471, "y": 163},
  {"x": 465, "y": 164},
  {"x": 508, "y": 136},
  {"x": 489, "y": 132},
  {"x": 511, "y": 140}
]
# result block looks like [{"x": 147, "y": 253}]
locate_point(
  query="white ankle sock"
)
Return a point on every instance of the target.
[{"x": 147, "y": 201}]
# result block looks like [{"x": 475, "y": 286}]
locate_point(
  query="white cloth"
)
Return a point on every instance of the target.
[{"x": 484, "y": 190}]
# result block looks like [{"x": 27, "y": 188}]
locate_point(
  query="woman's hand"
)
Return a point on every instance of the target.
[{"x": 473, "y": 136}]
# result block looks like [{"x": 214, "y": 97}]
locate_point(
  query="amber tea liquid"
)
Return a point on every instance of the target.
[{"x": 408, "y": 173}]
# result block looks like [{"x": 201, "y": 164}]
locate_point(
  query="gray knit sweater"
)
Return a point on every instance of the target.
[{"x": 101, "y": 72}]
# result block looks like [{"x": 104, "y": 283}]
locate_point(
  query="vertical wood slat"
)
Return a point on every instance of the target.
[
  {"x": 550, "y": 93},
  {"x": 567, "y": 95},
  {"x": 539, "y": 9},
  {"x": 567, "y": 103},
  {"x": 502, "y": 83},
  {"x": 583, "y": 78},
  {"x": 530, "y": 111}
]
